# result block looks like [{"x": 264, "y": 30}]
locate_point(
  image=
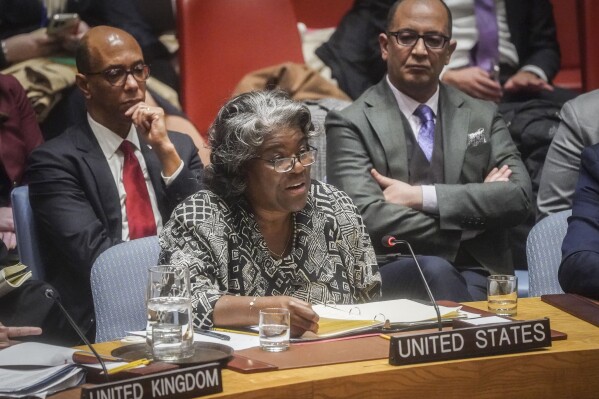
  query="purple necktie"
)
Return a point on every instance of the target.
[
  {"x": 426, "y": 134},
  {"x": 486, "y": 52}
]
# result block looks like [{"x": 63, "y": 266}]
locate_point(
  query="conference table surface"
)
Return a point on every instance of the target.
[{"x": 569, "y": 369}]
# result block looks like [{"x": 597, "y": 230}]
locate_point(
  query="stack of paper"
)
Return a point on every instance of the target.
[
  {"x": 337, "y": 320},
  {"x": 39, "y": 382},
  {"x": 34, "y": 369}
]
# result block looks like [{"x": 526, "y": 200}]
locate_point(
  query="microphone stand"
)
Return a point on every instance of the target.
[
  {"x": 392, "y": 241},
  {"x": 51, "y": 295}
]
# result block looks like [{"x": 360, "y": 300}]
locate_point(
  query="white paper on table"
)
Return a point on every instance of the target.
[
  {"x": 17, "y": 383},
  {"x": 237, "y": 341},
  {"x": 36, "y": 354},
  {"x": 396, "y": 311}
]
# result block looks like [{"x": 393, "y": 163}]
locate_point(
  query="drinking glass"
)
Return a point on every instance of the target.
[
  {"x": 502, "y": 294},
  {"x": 274, "y": 329},
  {"x": 169, "y": 312}
]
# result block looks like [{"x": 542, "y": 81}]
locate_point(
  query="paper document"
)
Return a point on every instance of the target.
[
  {"x": 238, "y": 341},
  {"x": 336, "y": 320},
  {"x": 39, "y": 382},
  {"x": 36, "y": 354}
]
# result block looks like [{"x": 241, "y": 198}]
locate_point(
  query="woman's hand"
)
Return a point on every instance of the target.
[
  {"x": 243, "y": 311},
  {"x": 303, "y": 317}
]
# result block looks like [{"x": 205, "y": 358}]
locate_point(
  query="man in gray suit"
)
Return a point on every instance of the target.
[
  {"x": 578, "y": 129},
  {"x": 445, "y": 176}
]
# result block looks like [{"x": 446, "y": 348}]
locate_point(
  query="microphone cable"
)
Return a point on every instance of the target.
[
  {"x": 52, "y": 295},
  {"x": 389, "y": 242}
]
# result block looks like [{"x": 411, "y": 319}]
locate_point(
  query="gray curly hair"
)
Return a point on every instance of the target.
[{"x": 239, "y": 130}]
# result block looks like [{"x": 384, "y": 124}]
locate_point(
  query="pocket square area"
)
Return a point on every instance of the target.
[{"x": 476, "y": 138}]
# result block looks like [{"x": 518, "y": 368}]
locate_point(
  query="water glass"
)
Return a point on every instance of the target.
[
  {"x": 169, "y": 312},
  {"x": 274, "y": 329},
  {"x": 502, "y": 294}
]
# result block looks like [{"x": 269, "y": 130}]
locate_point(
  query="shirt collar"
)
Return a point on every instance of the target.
[
  {"x": 110, "y": 141},
  {"x": 408, "y": 105}
]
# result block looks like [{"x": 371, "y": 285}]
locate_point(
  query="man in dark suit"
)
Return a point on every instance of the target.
[
  {"x": 579, "y": 270},
  {"x": 80, "y": 189},
  {"x": 450, "y": 183}
]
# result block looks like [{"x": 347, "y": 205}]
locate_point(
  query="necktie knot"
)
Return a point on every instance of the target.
[
  {"x": 126, "y": 147},
  {"x": 424, "y": 113}
]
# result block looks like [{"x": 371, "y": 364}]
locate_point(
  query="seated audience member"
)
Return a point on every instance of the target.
[
  {"x": 579, "y": 270},
  {"x": 8, "y": 333},
  {"x": 22, "y": 40},
  {"x": 133, "y": 16},
  {"x": 507, "y": 50},
  {"x": 515, "y": 58},
  {"x": 425, "y": 161},
  {"x": 19, "y": 135},
  {"x": 265, "y": 233},
  {"x": 579, "y": 128},
  {"x": 146, "y": 21},
  {"x": 352, "y": 51},
  {"x": 113, "y": 178}
]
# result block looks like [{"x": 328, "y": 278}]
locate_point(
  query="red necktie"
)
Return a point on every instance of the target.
[{"x": 138, "y": 205}]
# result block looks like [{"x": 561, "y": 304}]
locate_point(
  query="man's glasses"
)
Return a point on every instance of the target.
[
  {"x": 284, "y": 165},
  {"x": 117, "y": 76},
  {"x": 408, "y": 38}
]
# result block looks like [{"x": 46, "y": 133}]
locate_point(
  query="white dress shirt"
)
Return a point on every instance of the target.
[
  {"x": 407, "y": 106},
  {"x": 109, "y": 144}
]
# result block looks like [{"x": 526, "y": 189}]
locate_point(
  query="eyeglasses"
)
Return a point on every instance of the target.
[
  {"x": 409, "y": 38},
  {"x": 284, "y": 165},
  {"x": 118, "y": 76}
]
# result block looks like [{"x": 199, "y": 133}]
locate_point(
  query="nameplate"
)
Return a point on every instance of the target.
[
  {"x": 485, "y": 340},
  {"x": 183, "y": 383}
]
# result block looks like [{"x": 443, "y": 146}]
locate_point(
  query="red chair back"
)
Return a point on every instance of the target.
[
  {"x": 589, "y": 27},
  {"x": 321, "y": 13},
  {"x": 566, "y": 20},
  {"x": 220, "y": 41}
]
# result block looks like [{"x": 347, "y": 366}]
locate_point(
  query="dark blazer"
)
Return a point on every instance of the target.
[
  {"x": 533, "y": 32},
  {"x": 354, "y": 56},
  {"x": 77, "y": 209},
  {"x": 369, "y": 134},
  {"x": 579, "y": 270}
]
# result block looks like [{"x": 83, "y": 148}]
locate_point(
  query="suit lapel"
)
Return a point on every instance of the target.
[
  {"x": 98, "y": 167},
  {"x": 454, "y": 122},
  {"x": 155, "y": 172},
  {"x": 385, "y": 118}
]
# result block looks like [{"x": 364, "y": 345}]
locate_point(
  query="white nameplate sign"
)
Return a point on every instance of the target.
[{"x": 486, "y": 340}]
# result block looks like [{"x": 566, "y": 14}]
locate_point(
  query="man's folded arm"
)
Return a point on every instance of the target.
[
  {"x": 483, "y": 205},
  {"x": 348, "y": 168}
]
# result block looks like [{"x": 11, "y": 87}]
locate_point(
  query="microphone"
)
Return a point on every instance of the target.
[
  {"x": 390, "y": 242},
  {"x": 52, "y": 295}
]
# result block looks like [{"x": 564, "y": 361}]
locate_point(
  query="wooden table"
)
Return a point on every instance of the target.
[{"x": 569, "y": 369}]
